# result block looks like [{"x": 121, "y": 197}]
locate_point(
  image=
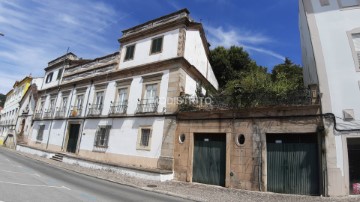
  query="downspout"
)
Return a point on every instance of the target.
[
  {"x": 52, "y": 120},
  {"x": 67, "y": 113},
  {"x": 83, "y": 125}
]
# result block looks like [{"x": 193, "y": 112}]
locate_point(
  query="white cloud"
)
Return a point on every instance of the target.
[
  {"x": 38, "y": 31},
  {"x": 251, "y": 41}
]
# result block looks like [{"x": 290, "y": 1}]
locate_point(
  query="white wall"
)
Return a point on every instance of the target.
[
  {"x": 190, "y": 85},
  {"x": 54, "y": 81},
  {"x": 333, "y": 24},
  {"x": 195, "y": 53},
  {"x": 123, "y": 135},
  {"x": 142, "y": 50}
]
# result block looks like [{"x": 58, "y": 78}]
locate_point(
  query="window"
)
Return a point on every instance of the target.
[
  {"x": 349, "y": 3},
  {"x": 99, "y": 98},
  {"x": 59, "y": 74},
  {"x": 356, "y": 41},
  {"x": 156, "y": 45},
  {"x": 52, "y": 103},
  {"x": 151, "y": 93},
  {"x": 130, "y": 52},
  {"x": 49, "y": 77},
  {"x": 79, "y": 101},
  {"x": 102, "y": 136},
  {"x": 39, "y": 136},
  {"x": 144, "y": 138},
  {"x": 64, "y": 103},
  {"x": 122, "y": 96}
]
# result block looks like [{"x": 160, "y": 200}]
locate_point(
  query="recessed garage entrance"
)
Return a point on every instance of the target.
[
  {"x": 293, "y": 164},
  {"x": 209, "y": 159},
  {"x": 354, "y": 164}
]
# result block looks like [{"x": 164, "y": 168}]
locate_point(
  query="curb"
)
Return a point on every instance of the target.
[{"x": 100, "y": 178}]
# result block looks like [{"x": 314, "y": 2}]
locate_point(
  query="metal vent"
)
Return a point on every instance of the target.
[{"x": 348, "y": 114}]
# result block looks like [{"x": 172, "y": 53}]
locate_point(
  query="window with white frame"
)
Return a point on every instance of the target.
[
  {"x": 99, "y": 99},
  {"x": 79, "y": 101},
  {"x": 151, "y": 92},
  {"x": 122, "y": 96},
  {"x": 39, "y": 136},
  {"x": 102, "y": 136},
  {"x": 130, "y": 50},
  {"x": 52, "y": 103},
  {"x": 356, "y": 40},
  {"x": 349, "y": 3},
  {"x": 49, "y": 77},
  {"x": 64, "y": 103},
  {"x": 144, "y": 138},
  {"x": 59, "y": 74}
]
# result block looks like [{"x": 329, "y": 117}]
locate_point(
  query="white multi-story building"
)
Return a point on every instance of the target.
[
  {"x": 330, "y": 41},
  {"x": 11, "y": 107},
  {"x": 121, "y": 108}
]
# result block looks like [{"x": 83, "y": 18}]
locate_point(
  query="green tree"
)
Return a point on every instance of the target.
[
  {"x": 227, "y": 64},
  {"x": 287, "y": 77}
]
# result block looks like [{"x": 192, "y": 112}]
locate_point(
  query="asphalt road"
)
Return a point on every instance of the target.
[{"x": 24, "y": 179}]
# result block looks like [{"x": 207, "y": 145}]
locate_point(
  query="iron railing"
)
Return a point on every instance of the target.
[
  {"x": 118, "y": 108},
  {"x": 95, "y": 109},
  {"x": 147, "y": 105},
  {"x": 60, "y": 113},
  {"x": 75, "y": 111},
  {"x": 247, "y": 100},
  {"x": 38, "y": 114},
  {"x": 48, "y": 113}
]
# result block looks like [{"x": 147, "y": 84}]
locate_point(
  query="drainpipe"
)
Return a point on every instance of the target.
[
  {"x": 83, "y": 124},
  {"x": 52, "y": 120},
  {"x": 67, "y": 113}
]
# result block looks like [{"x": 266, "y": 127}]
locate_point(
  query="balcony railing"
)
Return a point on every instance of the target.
[
  {"x": 48, "y": 113},
  {"x": 95, "y": 110},
  {"x": 147, "y": 105},
  {"x": 60, "y": 113},
  {"x": 118, "y": 108},
  {"x": 76, "y": 111},
  {"x": 38, "y": 115}
]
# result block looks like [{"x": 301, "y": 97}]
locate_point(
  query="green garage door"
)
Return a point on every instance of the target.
[
  {"x": 209, "y": 159},
  {"x": 292, "y": 164}
]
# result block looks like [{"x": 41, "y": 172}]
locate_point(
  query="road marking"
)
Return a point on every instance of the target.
[
  {"x": 35, "y": 185},
  {"x": 20, "y": 173}
]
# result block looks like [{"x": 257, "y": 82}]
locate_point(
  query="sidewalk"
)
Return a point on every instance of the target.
[{"x": 192, "y": 191}]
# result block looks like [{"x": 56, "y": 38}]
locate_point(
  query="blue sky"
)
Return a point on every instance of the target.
[{"x": 37, "y": 31}]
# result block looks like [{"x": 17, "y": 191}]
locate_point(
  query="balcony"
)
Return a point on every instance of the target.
[
  {"x": 76, "y": 111},
  {"x": 38, "y": 115},
  {"x": 95, "y": 109},
  {"x": 48, "y": 113},
  {"x": 118, "y": 108},
  {"x": 147, "y": 105},
  {"x": 60, "y": 113}
]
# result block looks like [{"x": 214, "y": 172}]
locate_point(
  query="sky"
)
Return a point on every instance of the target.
[{"x": 38, "y": 31}]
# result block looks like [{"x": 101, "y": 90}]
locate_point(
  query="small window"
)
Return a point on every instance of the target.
[
  {"x": 144, "y": 139},
  {"x": 49, "y": 77},
  {"x": 240, "y": 139},
  {"x": 156, "y": 45},
  {"x": 40, "y": 134},
  {"x": 59, "y": 74},
  {"x": 102, "y": 136},
  {"x": 349, "y": 3},
  {"x": 182, "y": 138},
  {"x": 130, "y": 52}
]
